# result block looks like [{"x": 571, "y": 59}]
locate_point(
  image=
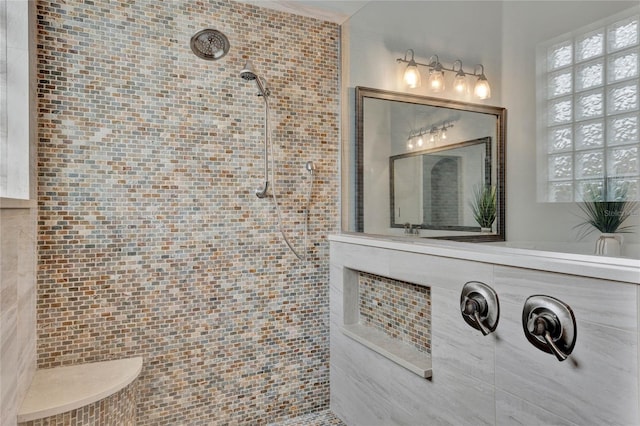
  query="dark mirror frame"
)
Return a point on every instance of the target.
[{"x": 362, "y": 93}]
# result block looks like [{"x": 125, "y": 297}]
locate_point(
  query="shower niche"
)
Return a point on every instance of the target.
[{"x": 390, "y": 317}]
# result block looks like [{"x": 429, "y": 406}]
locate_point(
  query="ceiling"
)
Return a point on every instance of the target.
[{"x": 333, "y": 11}]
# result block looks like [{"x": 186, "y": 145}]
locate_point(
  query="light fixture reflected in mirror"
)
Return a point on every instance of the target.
[
  {"x": 434, "y": 133},
  {"x": 411, "y": 73},
  {"x": 412, "y": 78},
  {"x": 443, "y": 131}
]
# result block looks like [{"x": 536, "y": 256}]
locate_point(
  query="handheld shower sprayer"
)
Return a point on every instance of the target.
[{"x": 249, "y": 73}]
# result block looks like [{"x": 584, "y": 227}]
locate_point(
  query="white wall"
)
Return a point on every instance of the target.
[
  {"x": 526, "y": 24},
  {"x": 382, "y": 31},
  {"x": 503, "y": 37},
  {"x": 14, "y": 100}
]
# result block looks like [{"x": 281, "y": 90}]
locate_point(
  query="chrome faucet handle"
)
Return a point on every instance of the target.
[
  {"x": 479, "y": 306},
  {"x": 546, "y": 325},
  {"x": 550, "y": 325},
  {"x": 475, "y": 306}
]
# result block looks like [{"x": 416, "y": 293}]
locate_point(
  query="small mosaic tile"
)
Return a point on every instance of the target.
[
  {"x": 400, "y": 309},
  {"x": 151, "y": 241},
  {"x": 321, "y": 418}
]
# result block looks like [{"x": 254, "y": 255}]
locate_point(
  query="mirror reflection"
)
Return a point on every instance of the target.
[
  {"x": 421, "y": 162},
  {"x": 434, "y": 188}
]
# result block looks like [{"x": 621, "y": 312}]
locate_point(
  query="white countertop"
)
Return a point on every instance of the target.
[
  {"x": 608, "y": 268},
  {"x": 58, "y": 390}
]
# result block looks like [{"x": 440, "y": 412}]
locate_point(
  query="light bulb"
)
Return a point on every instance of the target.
[
  {"x": 420, "y": 141},
  {"x": 410, "y": 144},
  {"x": 436, "y": 80},
  {"x": 482, "y": 90},
  {"x": 412, "y": 75},
  {"x": 460, "y": 82},
  {"x": 443, "y": 133}
]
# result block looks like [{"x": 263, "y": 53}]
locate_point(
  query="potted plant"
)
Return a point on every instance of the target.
[
  {"x": 606, "y": 216},
  {"x": 483, "y": 206}
]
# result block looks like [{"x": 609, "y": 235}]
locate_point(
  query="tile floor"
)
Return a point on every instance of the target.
[{"x": 321, "y": 418}]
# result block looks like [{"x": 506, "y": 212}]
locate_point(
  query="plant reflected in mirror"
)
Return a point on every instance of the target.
[{"x": 483, "y": 205}]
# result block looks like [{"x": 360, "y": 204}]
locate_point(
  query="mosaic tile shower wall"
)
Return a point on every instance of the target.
[
  {"x": 151, "y": 239},
  {"x": 400, "y": 309}
]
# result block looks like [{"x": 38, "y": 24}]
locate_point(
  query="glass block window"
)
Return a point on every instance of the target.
[{"x": 589, "y": 111}]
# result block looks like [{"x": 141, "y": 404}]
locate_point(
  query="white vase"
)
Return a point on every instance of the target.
[
  {"x": 486, "y": 230},
  {"x": 609, "y": 245}
]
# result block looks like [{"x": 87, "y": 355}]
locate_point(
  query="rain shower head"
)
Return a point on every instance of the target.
[
  {"x": 249, "y": 73},
  {"x": 210, "y": 44}
]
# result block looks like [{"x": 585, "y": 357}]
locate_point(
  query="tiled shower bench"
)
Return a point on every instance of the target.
[{"x": 100, "y": 393}]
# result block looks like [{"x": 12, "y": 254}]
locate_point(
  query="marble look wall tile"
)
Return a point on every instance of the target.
[
  {"x": 608, "y": 303},
  {"x": 498, "y": 379},
  {"x": 511, "y": 410},
  {"x": 456, "y": 346},
  {"x": 336, "y": 292},
  {"x": 361, "y": 258},
  {"x": 597, "y": 385},
  {"x": 26, "y": 315},
  {"x": 9, "y": 354},
  {"x": 17, "y": 308},
  {"x": 369, "y": 390},
  {"x": 357, "y": 394},
  {"x": 436, "y": 271},
  {"x": 449, "y": 398}
]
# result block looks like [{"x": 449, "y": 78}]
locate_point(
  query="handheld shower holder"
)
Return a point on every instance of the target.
[{"x": 310, "y": 167}]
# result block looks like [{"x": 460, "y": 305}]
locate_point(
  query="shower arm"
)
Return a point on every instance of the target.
[{"x": 262, "y": 193}]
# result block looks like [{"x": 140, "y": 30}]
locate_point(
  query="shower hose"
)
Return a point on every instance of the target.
[{"x": 304, "y": 256}]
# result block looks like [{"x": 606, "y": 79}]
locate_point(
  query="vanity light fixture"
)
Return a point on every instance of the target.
[
  {"x": 436, "y": 75},
  {"x": 412, "y": 73},
  {"x": 460, "y": 80},
  {"x": 482, "y": 90},
  {"x": 436, "y": 81}
]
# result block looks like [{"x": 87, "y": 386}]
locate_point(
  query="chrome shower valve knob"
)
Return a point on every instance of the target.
[
  {"x": 549, "y": 324},
  {"x": 479, "y": 306}
]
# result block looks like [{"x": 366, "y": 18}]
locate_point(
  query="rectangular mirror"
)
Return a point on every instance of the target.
[{"x": 421, "y": 162}]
